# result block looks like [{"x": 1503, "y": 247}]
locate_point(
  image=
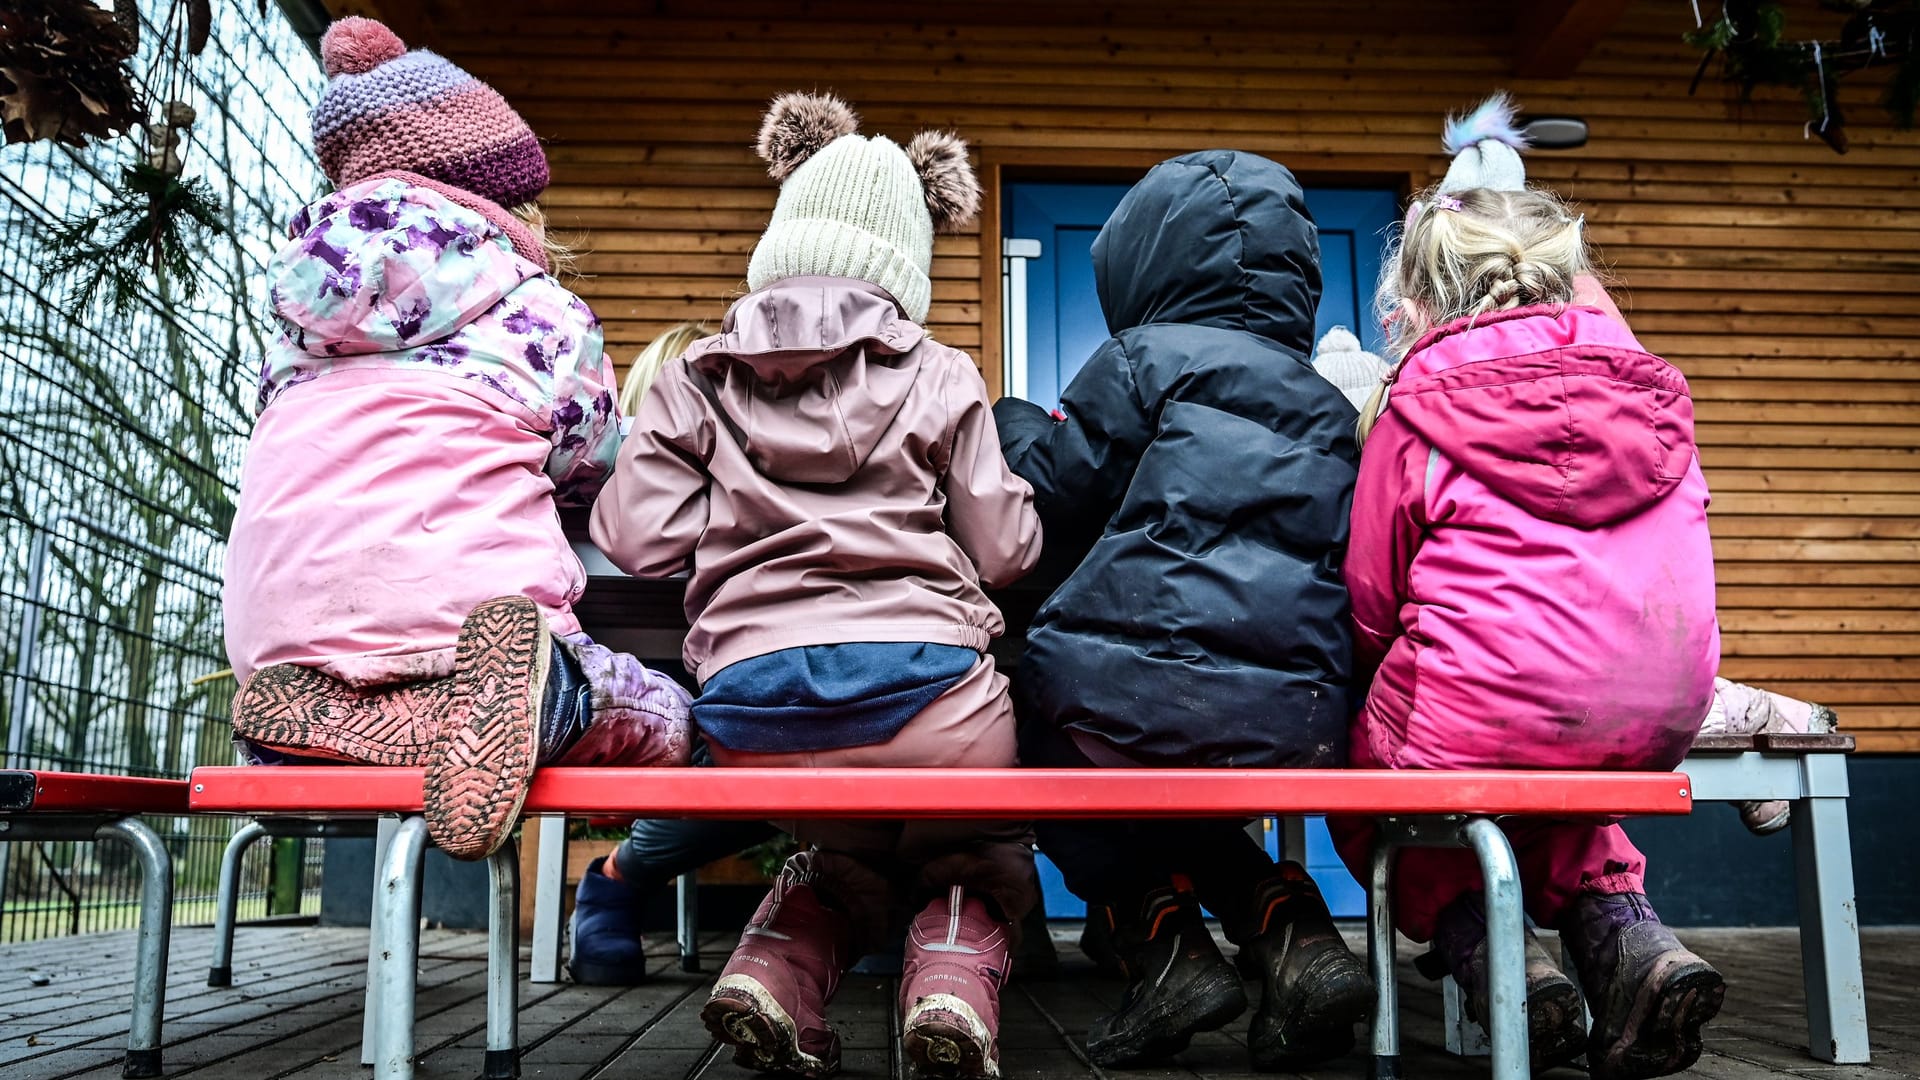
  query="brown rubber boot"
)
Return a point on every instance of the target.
[
  {"x": 304, "y": 712},
  {"x": 478, "y": 774}
]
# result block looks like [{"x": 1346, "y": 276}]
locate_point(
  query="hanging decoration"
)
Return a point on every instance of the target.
[
  {"x": 144, "y": 230},
  {"x": 1750, "y": 40},
  {"x": 64, "y": 72}
]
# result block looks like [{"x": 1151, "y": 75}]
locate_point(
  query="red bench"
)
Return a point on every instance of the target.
[
  {"x": 86, "y": 806},
  {"x": 1427, "y": 809}
]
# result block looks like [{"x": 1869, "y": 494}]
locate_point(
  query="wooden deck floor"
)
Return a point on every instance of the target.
[{"x": 295, "y": 1012}]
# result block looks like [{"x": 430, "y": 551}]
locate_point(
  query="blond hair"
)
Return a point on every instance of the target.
[
  {"x": 668, "y": 346},
  {"x": 1468, "y": 253},
  {"x": 562, "y": 261}
]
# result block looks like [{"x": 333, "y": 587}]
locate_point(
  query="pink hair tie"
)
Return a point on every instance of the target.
[{"x": 1447, "y": 202}]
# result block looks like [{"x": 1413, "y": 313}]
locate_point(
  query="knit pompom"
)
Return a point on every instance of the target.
[
  {"x": 1339, "y": 339},
  {"x": 953, "y": 194},
  {"x": 354, "y": 46},
  {"x": 1491, "y": 121},
  {"x": 799, "y": 126}
]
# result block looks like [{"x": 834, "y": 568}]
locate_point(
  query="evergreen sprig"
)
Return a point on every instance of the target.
[{"x": 145, "y": 226}]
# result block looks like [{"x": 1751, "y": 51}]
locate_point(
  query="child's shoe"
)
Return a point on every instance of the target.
[
  {"x": 770, "y": 1002},
  {"x": 607, "y": 949},
  {"x": 1556, "y": 1026},
  {"x": 1650, "y": 996},
  {"x": 519, "y": 701},
  {"x": 956, "y": 963},
  {"x": 1313, "y": 989},
  {"x": 1179, "y": 984},
  {"x": 1739, "y": 709},
  {"x": 305, "y": 713}
]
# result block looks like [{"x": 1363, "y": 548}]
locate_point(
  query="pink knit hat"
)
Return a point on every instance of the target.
[{"x": 389, "y": 109}]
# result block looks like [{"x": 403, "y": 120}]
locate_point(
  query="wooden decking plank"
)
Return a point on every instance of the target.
[
  {"x": 303, "y": 1021},
  {"x": 266, "y": 996}
]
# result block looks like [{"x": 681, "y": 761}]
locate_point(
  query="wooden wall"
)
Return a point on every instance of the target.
[{"x": 1784, "y": 279}]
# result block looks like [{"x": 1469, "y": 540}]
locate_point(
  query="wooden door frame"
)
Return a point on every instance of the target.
[{"x": 999, "y": 166}]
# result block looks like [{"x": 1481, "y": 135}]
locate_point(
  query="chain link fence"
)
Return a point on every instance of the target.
[{"x": 121, "y": 438}]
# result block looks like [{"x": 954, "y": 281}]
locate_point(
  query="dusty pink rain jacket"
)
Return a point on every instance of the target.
[{"x": 828, "y": 473}]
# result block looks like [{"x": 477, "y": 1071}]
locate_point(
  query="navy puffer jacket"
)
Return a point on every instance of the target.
[{"x": 1197, "y": 492}]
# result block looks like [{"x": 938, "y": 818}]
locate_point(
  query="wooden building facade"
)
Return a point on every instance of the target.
[{"x": 1782, "y": 278}]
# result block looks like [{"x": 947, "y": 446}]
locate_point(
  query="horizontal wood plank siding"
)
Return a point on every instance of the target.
[{"x": 1782, "y": 278}]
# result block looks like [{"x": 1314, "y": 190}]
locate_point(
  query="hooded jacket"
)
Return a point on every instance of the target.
[
  {"x": 1530, "y": 567},
  {"x": 429, "y": 393},
  {"x": 828, "y": 473},
  {"x": 1195, "y": 495}
]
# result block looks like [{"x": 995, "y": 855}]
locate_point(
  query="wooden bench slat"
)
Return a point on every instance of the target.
[{"x": 966, "y": 793}]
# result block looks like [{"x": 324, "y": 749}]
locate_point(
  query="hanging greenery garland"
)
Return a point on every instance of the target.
[{"x": 1750, "y": 39}]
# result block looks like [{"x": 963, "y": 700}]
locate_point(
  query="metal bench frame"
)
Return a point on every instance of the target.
[
  {"x": 1415, "y": 808},
  {"x": 1811, "y": 772},
  {"x": 88, "y": 807}
]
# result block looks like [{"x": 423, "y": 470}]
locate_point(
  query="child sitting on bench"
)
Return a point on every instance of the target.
[
  {"x": 398, "y": 590},
  {"x": 831, "y": 477},
  {"x": 1532, "y": 586}
]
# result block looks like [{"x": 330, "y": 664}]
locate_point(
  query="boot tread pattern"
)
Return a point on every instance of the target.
[
  {"x": 477, "y": 778},
  {"x": 303, "y": 710}
]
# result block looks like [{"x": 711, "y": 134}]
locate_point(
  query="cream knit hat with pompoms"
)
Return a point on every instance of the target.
[{"x": 857, "y": 207}]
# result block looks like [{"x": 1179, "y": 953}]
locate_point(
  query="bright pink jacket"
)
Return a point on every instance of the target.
[{"x": 1530, "y": 567}]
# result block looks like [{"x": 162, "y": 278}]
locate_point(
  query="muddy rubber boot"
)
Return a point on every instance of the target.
[
  {"x": 303, "y": 712},
  {"x": 1313, "y": 989},
  {"x": 771, "y": 999},
  {"x": 1179, "y": 984},
  {"x": 1649, "y": 994},
  {"x": 520, "y": 700},
  {"x": 1556, "y": 1026},
  {"x": 956, "y": 962}
]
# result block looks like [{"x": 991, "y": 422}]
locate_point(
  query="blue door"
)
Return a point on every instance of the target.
[
  {"x": 1063, "y": 319},
  {"x": 1064, "y": 326}
]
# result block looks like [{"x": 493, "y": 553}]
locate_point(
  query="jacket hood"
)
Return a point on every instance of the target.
[
  {"x": 808, "y": 373},
  {"x": 385, "y": 265},
  {"x": 1558, "y": 410},
  {"x": 1218, "y": 238}
]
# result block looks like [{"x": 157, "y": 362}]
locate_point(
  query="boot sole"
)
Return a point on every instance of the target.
[
  {"x": 741, "y": 1014},
  {"x": 477, "y": 778},
  {"x": 1207, "y": 1003},
  {"x": 606, "y": 974},
  {"x": 1313, "y": 1027},
  {"x": 302, "y": 711},
  {"x": 945, "y": 1039},
  {"x": 1556, "y": 1024},
  {"x": 1661, "y": 1035}
]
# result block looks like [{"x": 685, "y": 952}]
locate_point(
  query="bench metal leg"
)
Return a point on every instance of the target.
[
  {"x": 396, "y": 920},
  {"x": 503, "y": 964},
  {"x": 150, "y": 955},
  {"x": 1380, "y": 957},
  {"x": 1829, "y": 930},
  {"x": 549, "y": 899},
  {"x": 687, "y": 928},
  {"x": 227, "y": 900},
  {"x": 383, "y": 835},
  {"x": 1506, "y": 948}
]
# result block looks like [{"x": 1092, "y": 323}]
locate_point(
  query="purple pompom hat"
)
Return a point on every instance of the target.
[{"x": 389, "y": 109}]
